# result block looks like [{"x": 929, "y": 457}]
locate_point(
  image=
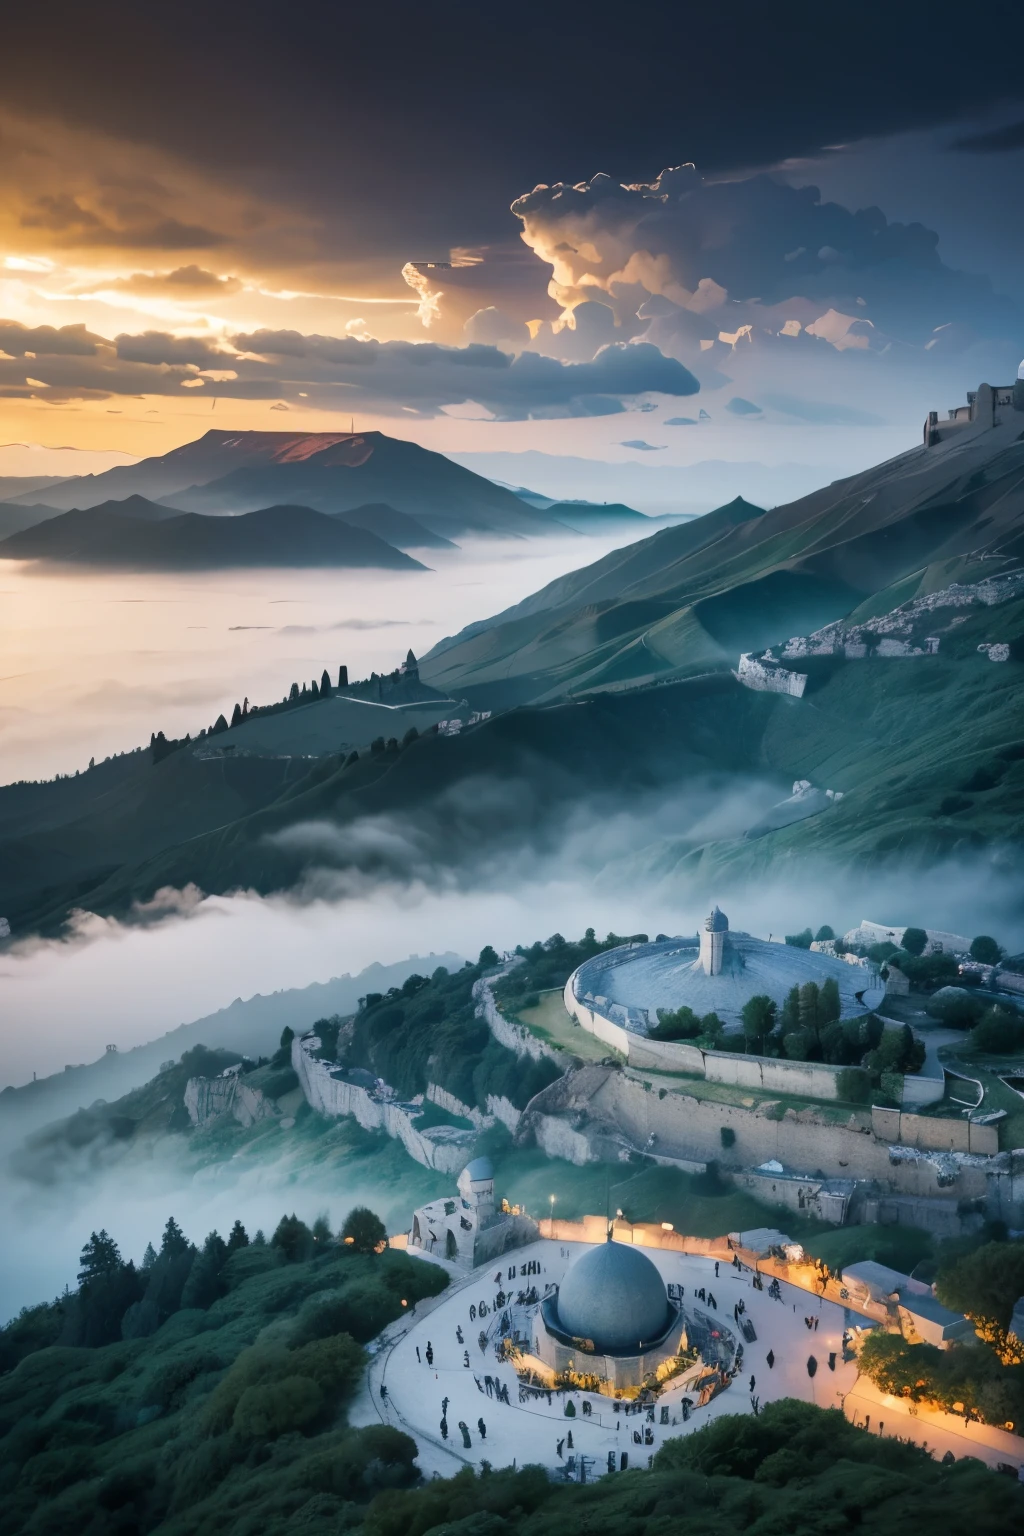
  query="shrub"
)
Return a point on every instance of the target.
[
  {"x": 824, "y": 933},
  {"x": 915, "y": 941},
  {"x": 728, "y": 1136},
  {"x": 800, "y": 940},
  {"x": 997, "y": 1031},
  {"x": 956, "y": 1007},
  {"x": 264, "y": 1412},
  {"x": 985, "y": 950},
  {"x": 854, "y": 1085}
]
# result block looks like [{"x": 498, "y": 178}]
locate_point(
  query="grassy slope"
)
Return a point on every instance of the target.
[{"x": 735, "y": 580}]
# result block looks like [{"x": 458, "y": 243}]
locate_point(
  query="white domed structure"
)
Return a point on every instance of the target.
[
  {"x": 610, "y": 1321},
  {"x": 716, "y": 971},
  {"x": 615, "y": 1298}
]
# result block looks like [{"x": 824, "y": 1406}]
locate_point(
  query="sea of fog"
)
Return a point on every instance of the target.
[{"x": 93, "y": 662}]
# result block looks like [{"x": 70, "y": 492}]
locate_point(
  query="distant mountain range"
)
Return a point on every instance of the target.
[
  {"x": 616, "y": 684},
  {"x": 230, "y": 472},
  {"x": 137, "y": 534}
]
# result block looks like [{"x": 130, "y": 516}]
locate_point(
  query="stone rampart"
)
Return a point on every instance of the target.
[
  {"x": 441, "y": 1147},
  {"x": 453, "y": 1106},
  {"x": 208, "y": 1097},
  {"x": 507, "y": 1033},
  {"x": 934, "y": 1135}
]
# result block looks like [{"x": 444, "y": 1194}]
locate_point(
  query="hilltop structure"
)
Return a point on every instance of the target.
[
  {"x": 715, "y": 971},
  {"x": 470, "y": 1229},
  {"x": 986, "y": 407}
]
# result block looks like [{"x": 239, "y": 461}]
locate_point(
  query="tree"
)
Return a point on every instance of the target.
[
  {"x": 149, "y": 1257},
  {"x": 314, "y": 689},
  {"x": 488, "y": 957},
  {"x": 283, "y": 1054},
  {"x": 376, "y": 746},
  {"x": 985, "y": 1286},
  {"x": 293, "y": 693},
  {"x": 829, "y": 1002},
  {"x": 810, "y": 1016},
  {"x": 174, "y": 1241},
  {"x": 985, "y": 950},
  {"x": 100, "y": 1257},
  {"x": 325, "y": 685},
  {"x": 294, "y": 1239},
  {"x": 363, "y": 1230},
  {"x": 728, "y": 1135},
  {"x": 758, "y": 1014},
  {"x": 914, "y": 941},
  {"x": 219, "y": 725},
  {"x": 411, "y": 735},
  {"x": 791, "y": 1011},
  {"x": 353, "y": 757},
  {"x": 238, "y": 1237},
  {"x": 800, "y": 940},
  {"x": 204, "y": 1286},
  {"x": 236, "y": 715},
  {"x": 323, "y": 1237},
  {"x": 824, "y": 933}
]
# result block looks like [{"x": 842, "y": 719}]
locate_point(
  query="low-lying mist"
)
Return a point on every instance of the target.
[{"x": 96, "y": 661}]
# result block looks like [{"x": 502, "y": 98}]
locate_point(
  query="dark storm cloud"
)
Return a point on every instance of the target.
[
  {"x": 994, "y": 141},
  {"x": 45, "y": 340},
  {"x": 158, "y": 347},
  {"x": 335, "y": 371},
  {"x": 63, "y": 216},
  {"x": 453, "y": 117}
]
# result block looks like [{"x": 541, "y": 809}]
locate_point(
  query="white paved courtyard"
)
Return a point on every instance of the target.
[{"x": 536, "y": 1431}]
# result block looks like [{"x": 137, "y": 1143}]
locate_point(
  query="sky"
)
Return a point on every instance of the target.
[{"x": 508, "y": 233}]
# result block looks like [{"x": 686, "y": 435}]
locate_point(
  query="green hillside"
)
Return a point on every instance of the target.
[{"x": 692, "y": 597}]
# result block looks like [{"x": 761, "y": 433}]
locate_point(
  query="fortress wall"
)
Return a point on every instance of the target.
[
  {"x": 447, "y": 1101},
  {"x": 669, "y": 1055},
  {"x": 504, "y": 1110},
  {"x": 557, "y": 1138},
  {"x": 610, "y": 1034},
  {"x": 935, "y": 1135},
  {"x": 513, "y": 1036},
  {"x": 333, "y": 1097},
  {"x": 687, "y": 1127},
  {"x": 206, "y": 1098}
]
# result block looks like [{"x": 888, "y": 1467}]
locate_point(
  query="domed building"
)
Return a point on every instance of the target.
[
  {"x": 716, "y": 971},
  {"x": 610, "y": 1319}
]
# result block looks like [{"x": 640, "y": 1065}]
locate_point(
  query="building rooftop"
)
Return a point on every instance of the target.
[
  {"x": 634, "y": 983},
  {"x": 614, "y": 1296}
]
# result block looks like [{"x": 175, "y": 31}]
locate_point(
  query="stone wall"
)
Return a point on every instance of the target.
[
  {"x": 590, "y": 1101},
  {"x": 453, "y": 1106},
  {"x": 754, "y": 673},
  {"x": 206, "y": 1098},
  {"x": 934, "y": 1135},
  {"x": 513, "y": 1036},
  {"x": 443, "y": 1148}
]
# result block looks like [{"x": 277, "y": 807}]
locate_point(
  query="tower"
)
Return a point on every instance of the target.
[{"x": 712, "y": 941}]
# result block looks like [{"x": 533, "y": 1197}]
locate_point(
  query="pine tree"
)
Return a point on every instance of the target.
[
  {"x": 100, "y": 1257},
  {"x": 149, "y": 1257},
  {"x": 173, "y": 1241},
  {"x": 809, "y": 1007},
  {"x": 237, "y": 1238},
  {"x": 829, "y": 1003},
  {"x": 245, "y": 709},
  {"x": 791, "y": 1011},
  {"x": 236, "y": 715},
  {"x": 293, "y": 693},
  {"x": 322, "y": 1234}
]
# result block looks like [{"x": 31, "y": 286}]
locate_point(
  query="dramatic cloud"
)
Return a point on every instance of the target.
[
  {"x": 184, "y": 283},
  {"x": 336, "y": 371}
]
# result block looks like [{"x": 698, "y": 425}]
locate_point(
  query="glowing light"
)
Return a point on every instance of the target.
[{"x": 28, "y": 264}]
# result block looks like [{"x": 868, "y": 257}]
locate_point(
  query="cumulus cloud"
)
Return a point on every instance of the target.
[{"x": 336, "y": 371}]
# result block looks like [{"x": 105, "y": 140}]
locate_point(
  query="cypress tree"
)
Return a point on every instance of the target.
[{"x": 325, "y": 685}]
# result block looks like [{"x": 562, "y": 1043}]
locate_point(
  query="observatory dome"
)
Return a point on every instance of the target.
[{"x": 615, "y": 1296}]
